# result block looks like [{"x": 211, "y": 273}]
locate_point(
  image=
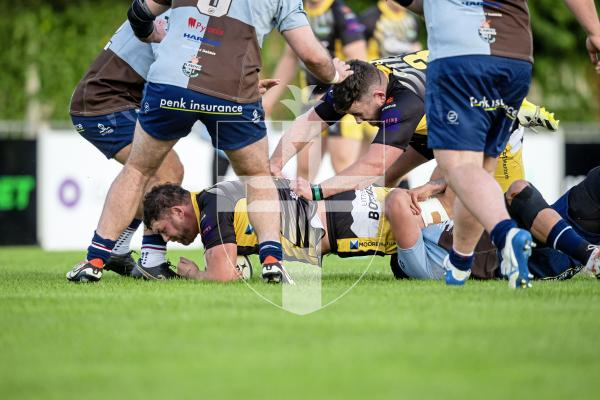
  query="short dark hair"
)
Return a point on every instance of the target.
[
  {"x": 355, "y": 86},
  {"x": 161, "y": 198}
]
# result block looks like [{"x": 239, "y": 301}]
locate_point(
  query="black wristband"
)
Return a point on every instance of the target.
[
  {"x": 317, "y": 192},
  {"x": 140, "y": 19}
]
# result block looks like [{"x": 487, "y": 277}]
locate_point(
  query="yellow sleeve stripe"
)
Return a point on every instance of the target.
[{"x": 196, "y": 207}]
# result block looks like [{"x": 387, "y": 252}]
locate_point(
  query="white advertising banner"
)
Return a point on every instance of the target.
[{"x": 74, "y": 177}]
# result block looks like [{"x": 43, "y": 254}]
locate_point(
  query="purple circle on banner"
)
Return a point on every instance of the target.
[{"x": 69, "y": 193}]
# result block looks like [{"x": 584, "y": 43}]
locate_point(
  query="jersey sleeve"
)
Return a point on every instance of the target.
[
  {"x": 399, "y": 118},
  {"x": 216, "y": 221},
  {"x": 290, "y": 15},
  {"x": 419, "y": 143},
  {"x": 347, "y": 25},
  {"x": 325, "y": 109}
]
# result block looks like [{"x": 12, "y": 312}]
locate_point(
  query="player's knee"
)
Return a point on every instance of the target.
[
  {"x": 515, "y": 188},
  {"x": 171, "y": 169},
  {"x": 397, "y": 203},
  {"x": 526, "y": 204}
]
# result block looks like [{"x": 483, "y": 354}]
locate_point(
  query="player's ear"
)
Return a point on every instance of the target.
[
  {"x": 379, "y": 97},
  {"x": 177, "y": 211}
]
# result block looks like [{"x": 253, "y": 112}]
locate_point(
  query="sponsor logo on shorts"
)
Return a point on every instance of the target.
[
  {"x": 255, "y": 117},
  {"x": 192, "y": 69},
  {"x": 200, "y": 39},
  {"x": 190, "y": 105},
  {"x": 79, "y": 128},
  {"x": 452, "y": 117},
  {"x": 486, "y": 32},
  {"x": 354, "y": 245},
  {"x": 492, "y": 105},
  {"x": 193, "y": 23},
  {"x": 105, "y": 130},
  {"x": 249, "y": 230}
]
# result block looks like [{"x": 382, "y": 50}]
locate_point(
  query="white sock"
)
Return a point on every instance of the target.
[
  {"x": 124, "y": 241},
  {"x": 153, "y": 253}
]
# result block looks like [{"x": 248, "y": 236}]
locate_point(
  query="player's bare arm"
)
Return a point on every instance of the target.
[
  {"x": 220, "y": 265},
  {"x": 587, "y": 15},
  {"x": 369, "y": 169},
  {"x": 316, "y": 58},
  {"x": 305, "y": 128}
]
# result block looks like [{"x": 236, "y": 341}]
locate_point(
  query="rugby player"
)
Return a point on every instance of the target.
[
  {"x": 348, "y": 224},
  {"x": 338, "y": 28},
  {"x": 567, "y": 233},
  {"x": 104, "y": 109},
  {"x": 481, "y": 66},
  {"x": 389, "y": 93},
  {"x": 207, "y": 68}
]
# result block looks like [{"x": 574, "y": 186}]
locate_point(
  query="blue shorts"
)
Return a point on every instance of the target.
[
  {"x": 472, "y": 102},
  {"x": 168, "y": 113},
  {"x": 109, "y": 132},
  {"x": 425, "y": 260}
]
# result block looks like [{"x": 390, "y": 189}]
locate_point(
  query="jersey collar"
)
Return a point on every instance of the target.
[{"x": 194, "y": 198}]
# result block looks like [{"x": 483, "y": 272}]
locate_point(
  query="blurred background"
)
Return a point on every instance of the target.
[{"x": 48, "y": 174}]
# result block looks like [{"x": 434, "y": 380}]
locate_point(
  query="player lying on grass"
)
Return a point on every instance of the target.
[
  {"x": 567, "y": 233},
  {"x": 348, "y": 224}
]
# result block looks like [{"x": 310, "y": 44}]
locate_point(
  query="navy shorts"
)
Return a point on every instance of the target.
[
  {"x": 168, "y": 113},
  {"x": 472, "y": 102},
  {"x": 109, "y": 132}
]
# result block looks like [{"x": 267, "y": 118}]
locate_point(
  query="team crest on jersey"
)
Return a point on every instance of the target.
[
  {"x": 214, "y": 8},
  {"x": 486, "y": 32},
  {"x": 192, "y": 69}
]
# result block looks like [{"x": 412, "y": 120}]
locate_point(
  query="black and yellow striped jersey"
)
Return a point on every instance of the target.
[
  {"x": 356, "y": 221},
  {"x": 403, "y": 113}
]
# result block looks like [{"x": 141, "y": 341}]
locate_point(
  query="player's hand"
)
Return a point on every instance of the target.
[
  {"x": 159, "y": 32},
  {"x": 343, "y": 70},
  {"x": 266, "y": 84},
  {"x": 593, "y": 47},
  {"x": 424, "y": 192},
  {"x": 302, "y": 188},
  {"x": 187, "y": 268}
]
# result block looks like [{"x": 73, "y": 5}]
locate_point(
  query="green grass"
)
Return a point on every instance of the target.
[{"x": 122, "y": 338}]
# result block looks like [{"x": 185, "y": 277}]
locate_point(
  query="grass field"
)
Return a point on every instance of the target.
[{"x": 123, "y": 338}]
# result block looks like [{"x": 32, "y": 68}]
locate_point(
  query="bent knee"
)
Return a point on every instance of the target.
[
  {"x": 397, "y": 202},
  {"x": 515, "y": 188}
]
